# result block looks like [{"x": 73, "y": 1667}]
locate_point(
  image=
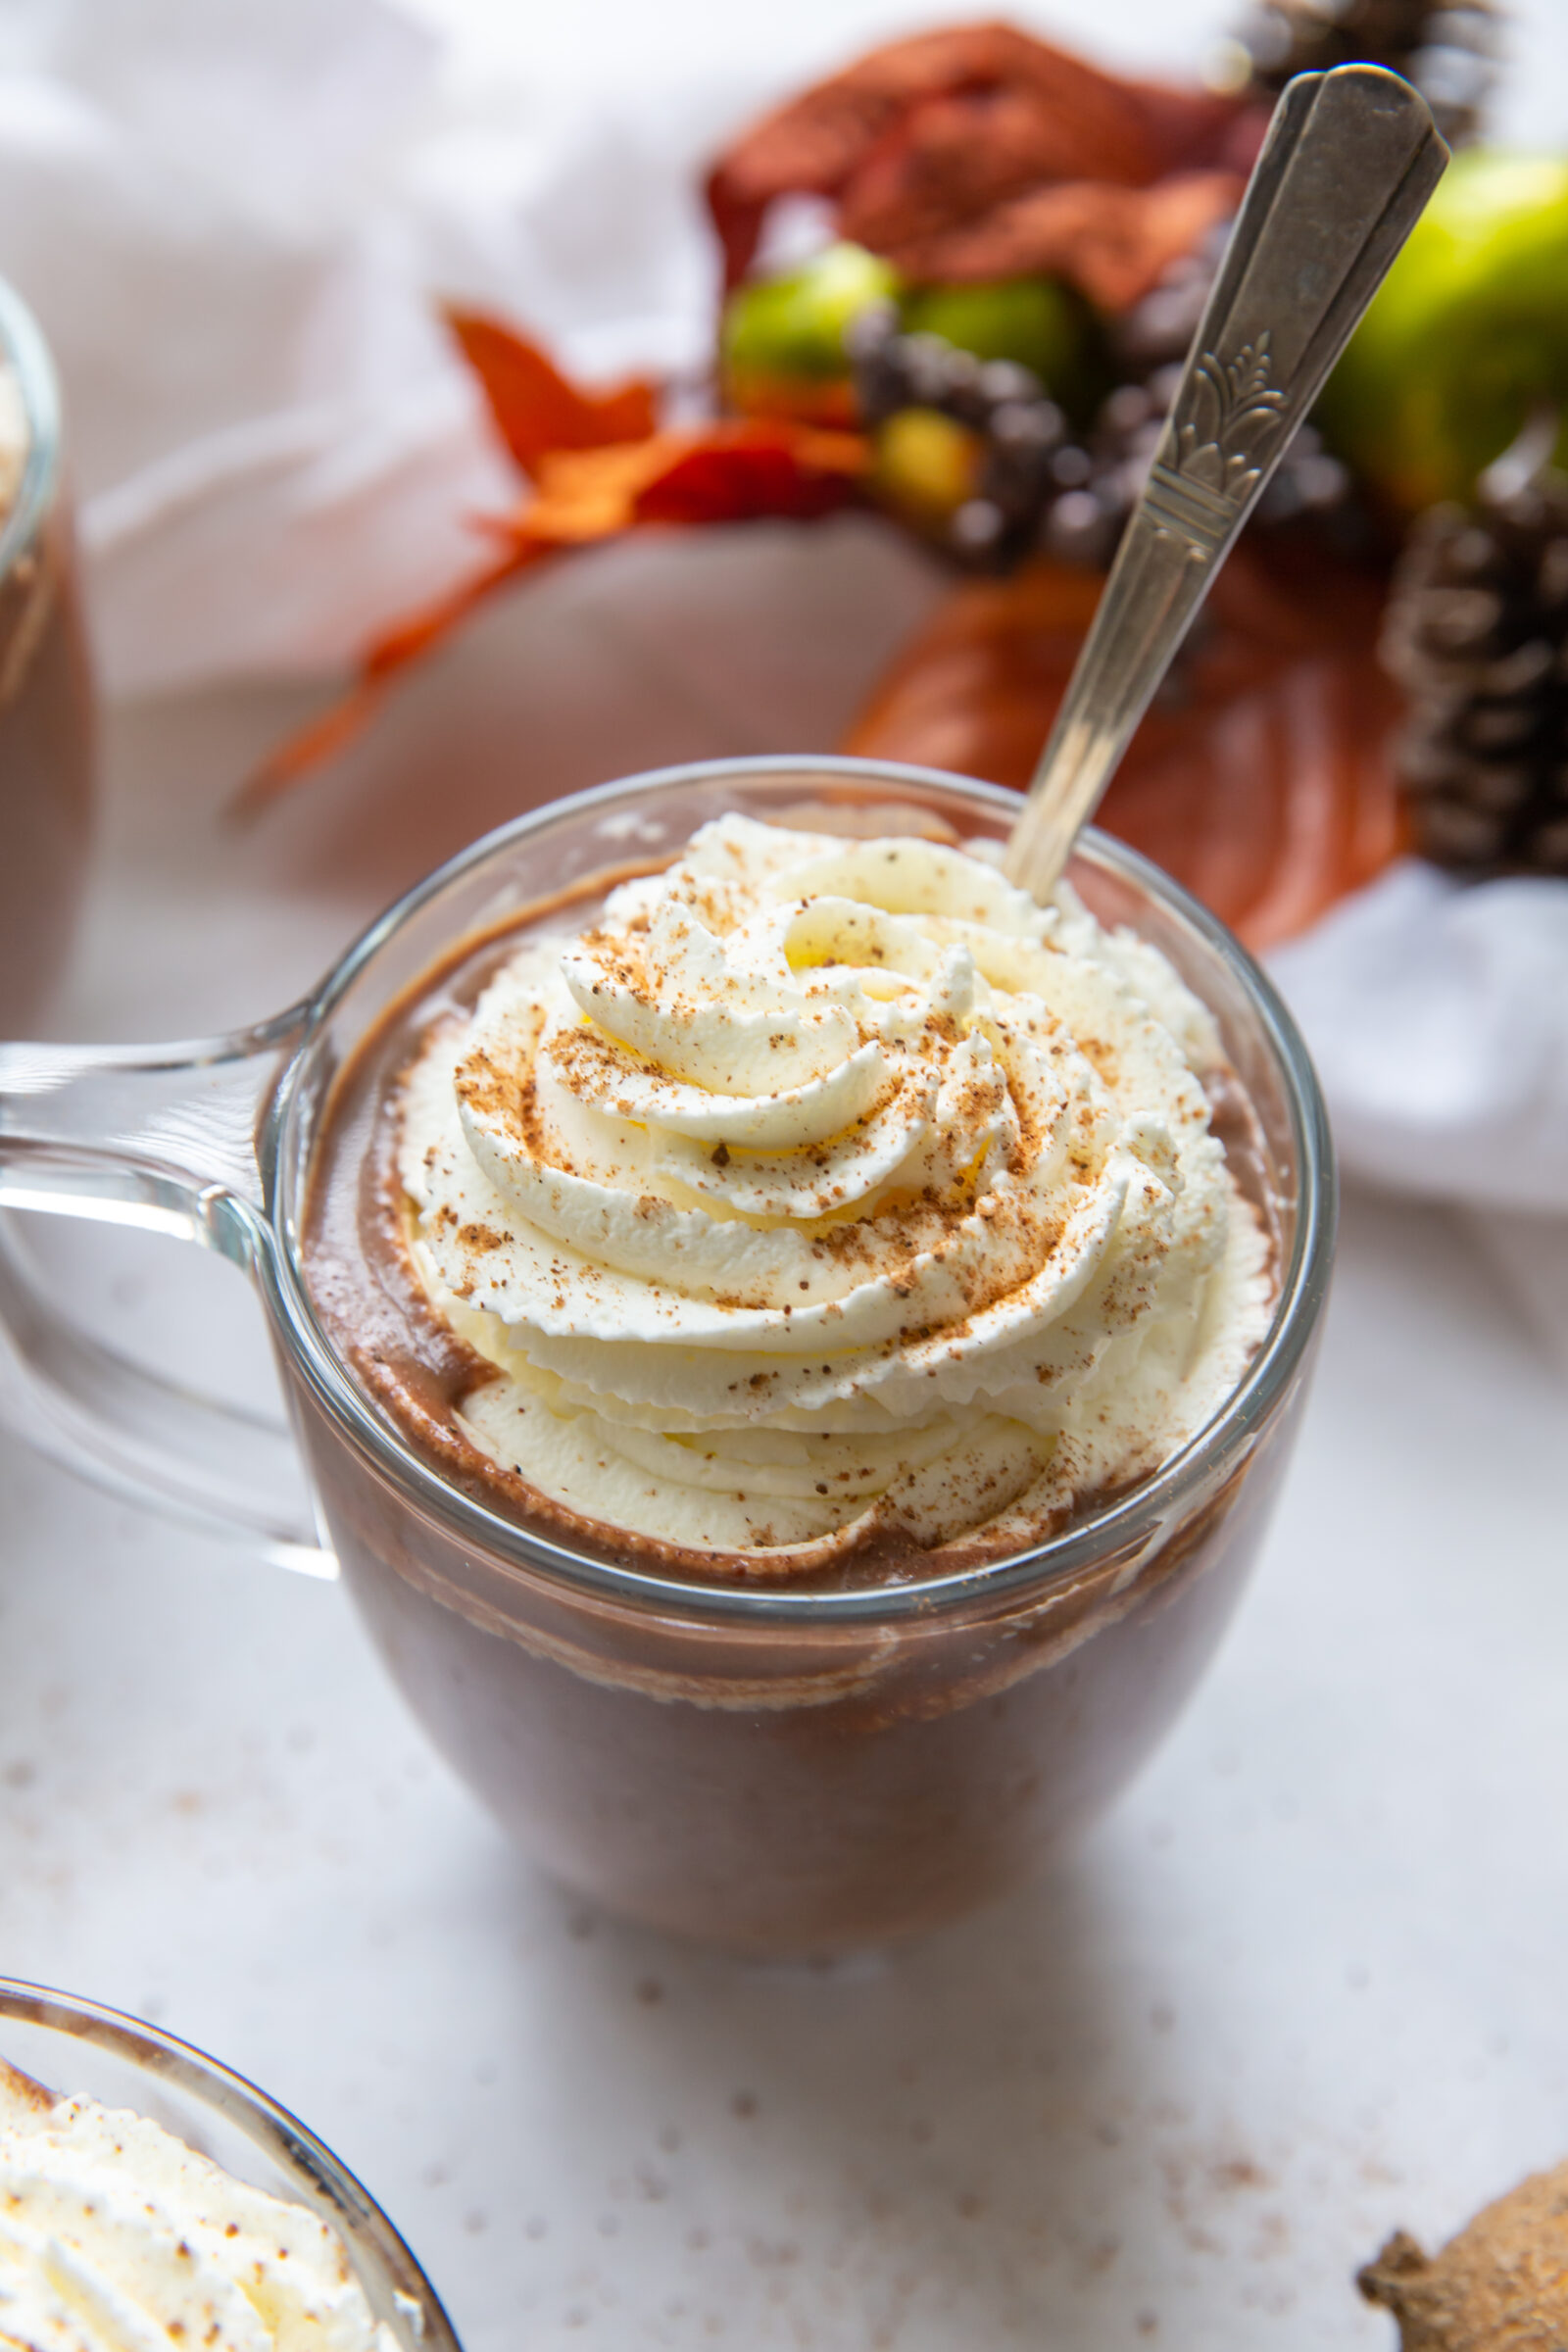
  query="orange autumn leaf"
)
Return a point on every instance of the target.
[
  {"x": 939, "y": 151},
  {"x": 587, "y": 494},
  {"x": 1262, "y": 778},
  {"x": 535, "y": 407},
  {"x": 731, "y": 471}
]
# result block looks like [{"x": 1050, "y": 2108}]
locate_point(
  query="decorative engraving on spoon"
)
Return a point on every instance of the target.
[
  {"x": 1248, "y": 412},
  {"x": 1219, "y": 443}
]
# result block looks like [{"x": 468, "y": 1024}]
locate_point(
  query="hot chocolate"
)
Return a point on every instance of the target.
[
  {"x": 814, "y": 1209},
  {"x": 786, "y": 1616},
  {"x": 688, "y": 1680}
]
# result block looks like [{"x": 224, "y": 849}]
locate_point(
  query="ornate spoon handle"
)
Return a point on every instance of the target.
[{"x": 1349, "y": 161}]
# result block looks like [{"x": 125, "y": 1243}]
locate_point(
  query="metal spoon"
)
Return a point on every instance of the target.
[{"x": 1349, "y": 161}]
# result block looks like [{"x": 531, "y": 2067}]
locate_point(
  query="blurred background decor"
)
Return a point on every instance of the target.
[{"x": 465, "y": 315}]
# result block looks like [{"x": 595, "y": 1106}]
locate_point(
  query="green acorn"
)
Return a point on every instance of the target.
[
  {"x": 782, "y": 349},
  {"x": 1467, "y": 337},
  {"x": 1034, "y": 322}
]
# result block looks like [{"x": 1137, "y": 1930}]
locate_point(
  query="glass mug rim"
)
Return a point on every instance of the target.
[
  {"x": 1125, "y": 1525},
  {"x": 324, "y": 2183},
  {"x": 22, "y": 344}
]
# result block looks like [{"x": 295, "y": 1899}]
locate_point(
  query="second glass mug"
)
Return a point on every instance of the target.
[
  {"x": 772, "y": 1769},
  {"x": 77, "y": 2049}
]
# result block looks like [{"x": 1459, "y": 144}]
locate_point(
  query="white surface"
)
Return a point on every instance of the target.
[{"x": 1304, "y": 1985}]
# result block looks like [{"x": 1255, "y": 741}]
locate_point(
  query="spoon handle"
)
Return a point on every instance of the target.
[{"x": 1349, "y": 160}]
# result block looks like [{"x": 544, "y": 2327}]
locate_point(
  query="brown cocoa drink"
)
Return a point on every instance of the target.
[
  {"x": 822, "y": 1275},
  {"x": 45, "y": 697},
  {"x": 45, "y": 783}
]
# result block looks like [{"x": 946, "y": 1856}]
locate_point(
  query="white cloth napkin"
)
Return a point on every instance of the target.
[
  {"x": 234, "y": 225},
  {"x": 1438, "y": 1016}
]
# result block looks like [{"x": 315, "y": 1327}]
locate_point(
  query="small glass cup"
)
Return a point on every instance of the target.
[
  {"x": 46, "y": 703},
  {"x": 74, "y": 2047},
  {"x": 773, "y": 1769}
]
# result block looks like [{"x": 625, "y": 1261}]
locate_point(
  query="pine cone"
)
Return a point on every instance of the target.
[
  {"x": 1446, "y": 47},
  {"x": 1477, "y": 633}
]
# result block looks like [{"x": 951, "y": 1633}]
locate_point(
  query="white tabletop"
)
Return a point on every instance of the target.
[{"x": 1304, "y": 1985}]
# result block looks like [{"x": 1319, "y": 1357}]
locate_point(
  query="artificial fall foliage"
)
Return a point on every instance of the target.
[
  {"x": 534, "y": 408},
  {"x": 1016, "y": 155},
  {"x": 979, "y": 152},
  {"x": 1262, "y": 778}
]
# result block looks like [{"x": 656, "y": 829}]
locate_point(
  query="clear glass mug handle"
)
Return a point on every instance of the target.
[{"x": 162, "y": 1137}]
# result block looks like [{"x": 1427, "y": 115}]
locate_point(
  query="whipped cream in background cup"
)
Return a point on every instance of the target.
[
  {"x": 76, "y": 2050},
  {"x": 772, "y": 1767},
  {"x": 46, "y": 699}
]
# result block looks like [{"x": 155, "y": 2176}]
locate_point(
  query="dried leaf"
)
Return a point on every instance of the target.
[
  {"x": 1115, "y": 244},
  {"x": 926, "y": 139},
  {"x": 731, "y": 471},
  {"x": 535, "y": 407},
  {"x": 1262, "y": 779}
]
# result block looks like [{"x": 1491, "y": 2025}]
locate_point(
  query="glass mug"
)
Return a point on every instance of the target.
[
  {"x": 46, "y": 709},
  {"x": 77, "y": 2049},
  {"x": 775, "y": 1770}
]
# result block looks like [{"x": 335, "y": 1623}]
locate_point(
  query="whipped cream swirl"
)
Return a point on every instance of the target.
[
  {"x": 117, "y": 2237},
  {"x": 829, "y": 1191}
]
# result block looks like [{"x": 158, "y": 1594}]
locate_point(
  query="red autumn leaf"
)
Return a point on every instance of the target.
[
  {"x": 926, "y": 139},
  {"x": 733, "y": 470},
  {"x": 764, "y": 468},
  {"x": 535, "y": 407},
  {"x": 1261, "y": 779}
]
